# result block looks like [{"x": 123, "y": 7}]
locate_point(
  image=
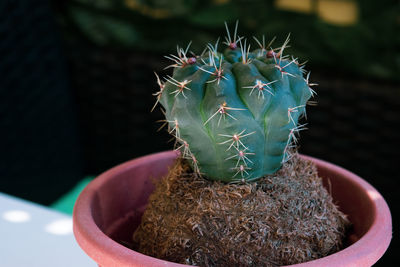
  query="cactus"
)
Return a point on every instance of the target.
[{"x": 235, "y": 114}]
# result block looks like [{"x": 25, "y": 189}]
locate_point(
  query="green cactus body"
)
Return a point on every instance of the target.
[{"x": 235, "y": 115}]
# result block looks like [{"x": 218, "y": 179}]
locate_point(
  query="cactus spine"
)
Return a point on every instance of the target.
[{"x": 235, "y": 114}]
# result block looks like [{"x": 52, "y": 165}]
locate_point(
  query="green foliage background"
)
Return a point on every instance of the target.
[{"x": 368, "y": 47}]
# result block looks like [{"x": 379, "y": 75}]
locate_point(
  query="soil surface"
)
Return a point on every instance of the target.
[{"x": 281, "y": 219}]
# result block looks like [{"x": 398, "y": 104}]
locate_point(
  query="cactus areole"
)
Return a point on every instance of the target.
[{"x": 235, "y": 114}]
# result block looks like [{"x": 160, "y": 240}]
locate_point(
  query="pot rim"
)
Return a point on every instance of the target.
[{"x": 103, "y": 249}]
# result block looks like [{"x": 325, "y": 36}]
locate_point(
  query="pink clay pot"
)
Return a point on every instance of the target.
[{"x": 110, "y": 207}]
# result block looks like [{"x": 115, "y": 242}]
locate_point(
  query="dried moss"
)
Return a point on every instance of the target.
[{"x": 285, "y": 218}]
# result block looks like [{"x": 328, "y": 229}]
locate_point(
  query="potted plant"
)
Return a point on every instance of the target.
[{"x": 238, "y": 194}]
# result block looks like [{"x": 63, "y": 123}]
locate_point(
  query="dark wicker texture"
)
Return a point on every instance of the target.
[
  {"x": 40, "y": 154},
  {"x": 355, "y": 125},
  {"x": 114, "y": 92}
]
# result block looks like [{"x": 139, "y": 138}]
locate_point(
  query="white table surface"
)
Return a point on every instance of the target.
[{"x": 32, "y": 235}]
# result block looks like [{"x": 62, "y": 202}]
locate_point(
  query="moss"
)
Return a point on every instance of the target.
[{"x": 281, "y": 219}]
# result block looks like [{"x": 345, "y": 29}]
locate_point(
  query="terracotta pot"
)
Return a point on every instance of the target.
[{"x": 110, "y": 207}]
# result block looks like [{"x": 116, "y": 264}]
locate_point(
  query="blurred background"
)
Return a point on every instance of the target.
[{"x": 76, "y": 84}]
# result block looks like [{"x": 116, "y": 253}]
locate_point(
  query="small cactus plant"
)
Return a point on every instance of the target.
[{"x": 235, "y": 114}]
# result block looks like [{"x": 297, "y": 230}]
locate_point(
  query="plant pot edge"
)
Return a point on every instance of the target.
[{"x": 107, "y": 252}]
